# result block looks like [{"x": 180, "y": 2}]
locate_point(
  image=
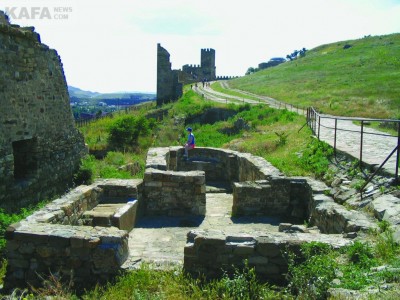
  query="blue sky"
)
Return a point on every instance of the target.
[{"x": 109, "y": 46}]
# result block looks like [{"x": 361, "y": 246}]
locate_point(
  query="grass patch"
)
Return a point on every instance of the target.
[
  {"x": 353, "y": 267},
  {"x": 146, "y": 283}
]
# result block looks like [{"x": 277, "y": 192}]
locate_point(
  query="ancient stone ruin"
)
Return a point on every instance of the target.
[
  {"x": 84, "y": 235},
  {"x": 169, "y": 87},
  {"x": 40, "y": 148},
  {"x": 170, "y": 82}
]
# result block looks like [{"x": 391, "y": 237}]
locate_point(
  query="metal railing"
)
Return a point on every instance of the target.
[{"x": 314, "y": 122}]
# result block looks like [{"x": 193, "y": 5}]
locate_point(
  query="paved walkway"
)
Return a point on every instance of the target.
[
  {"x": 161, "y": 240},
  {"x": 376, "y": 144}
]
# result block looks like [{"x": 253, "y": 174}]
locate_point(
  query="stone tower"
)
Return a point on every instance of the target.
[
  {"x": 40, "y": 148},
  {"x": 208, "y": 64},
  {"x": 168, "y": 86}
]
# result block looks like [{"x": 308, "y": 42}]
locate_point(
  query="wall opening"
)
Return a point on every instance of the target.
[{"x": 25, "y": 158}]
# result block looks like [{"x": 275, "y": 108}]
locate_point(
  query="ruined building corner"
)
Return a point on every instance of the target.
[{"x": 40, "y": 147}]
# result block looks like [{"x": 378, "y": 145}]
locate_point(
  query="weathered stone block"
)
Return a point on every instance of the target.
[{"x": 243, "y": 250}]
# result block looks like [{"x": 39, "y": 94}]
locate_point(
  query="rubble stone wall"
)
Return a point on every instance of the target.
[
  {"x": 40, "y": 148},
  {"x": 277, "y": 196},
  {"x": 260, "y": 189},
  {"x": 212, "y": 253},
  {"x": 173, "y": 193},
  {"x": 218, "y": 164},
  {"x": 50, "y": 241}
]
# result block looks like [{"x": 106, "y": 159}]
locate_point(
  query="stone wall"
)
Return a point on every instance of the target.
[
  {"x": 260, "y": 188},
  {"x": 208, "y": 64},
  {"x": 40, "y": 148},
  {"x": 51, "y": 242},
  {"x": 170, "y": 82},
  {"x": 170, "y": 193},
  {"x": 168, "y": 86},
  {"x": 221, "y": 164},
  {"x": 81, "y": 254},
  {"x": 274, "y": 197},
  {"x": 211, "y": 253}
]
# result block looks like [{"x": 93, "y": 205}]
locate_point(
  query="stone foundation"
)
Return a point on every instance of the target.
[
  {"x": 81, "y": 254},
  {"x": 211, "y": 253},
  {"x": 260, "y": 189},
  {"x": 53, "y": 239},
  {"x": 274, "y": 197},
  {"x": 50, "y": 241},
  {"x": 170, "y": 193}
]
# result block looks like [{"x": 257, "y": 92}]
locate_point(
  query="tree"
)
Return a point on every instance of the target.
[
  {"x": 296, "y": 53},
  {"x": 125, "y": 131},
  {"x": 250, "y": 70}
]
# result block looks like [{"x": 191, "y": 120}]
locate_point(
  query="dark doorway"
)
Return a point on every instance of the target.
[{"x": 25, "y": 159}]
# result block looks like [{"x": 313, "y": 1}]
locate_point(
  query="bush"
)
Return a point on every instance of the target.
[
  {"x": 312, "y": 278},
  {"x": 361, "y": 254},
  {"x": 85, "y": 174},
  {"x": 124, "y": 132},
  {"x": 315, "y": 157}
]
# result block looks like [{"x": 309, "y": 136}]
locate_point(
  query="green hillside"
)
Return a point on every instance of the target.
[{"x": 363, "y": 80}]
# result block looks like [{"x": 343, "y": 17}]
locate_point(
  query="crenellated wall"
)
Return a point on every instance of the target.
[
  {"x": 170, "y": 82},
  {"x": 40, "y": 148}
]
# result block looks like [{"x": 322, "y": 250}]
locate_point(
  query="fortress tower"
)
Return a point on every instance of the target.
[
  {"x": 169, "y": 82},
  {"x": 168, "y": 86},
  {"x": 208, "y": 63}
]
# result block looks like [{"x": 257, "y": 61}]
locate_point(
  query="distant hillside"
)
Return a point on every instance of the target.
[
  {"x": 88, "y": 105},
  {"x": 364, "y": 73},
  {"x": 78, "y": 93},
  {"x": 81, "y": 94}
]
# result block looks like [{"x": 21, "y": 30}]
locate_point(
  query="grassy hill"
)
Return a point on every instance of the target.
[{"x": 362, "y": 80}]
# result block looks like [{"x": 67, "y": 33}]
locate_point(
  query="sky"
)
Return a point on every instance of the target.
[{"x": 111, "y": 46}]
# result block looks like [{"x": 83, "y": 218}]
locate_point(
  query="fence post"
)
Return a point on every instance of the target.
[
  {"x": 334, "y": 141},
  {"x": 319, "y": 125},
  {"x": 315, "y": 121},
  {"x": 361, "y": 142},
  {"x": 398, "y": 153}
]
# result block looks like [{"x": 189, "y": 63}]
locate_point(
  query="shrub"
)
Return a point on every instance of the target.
[
  {"x": 316, "y": 156},
  {"x": 361, "y": 254},
  {"x": 124, "y": 132},
  {"x": 312, "y": 278},
  {"x": 243, "y": 284},
  {"x": 85, "y": 174}
]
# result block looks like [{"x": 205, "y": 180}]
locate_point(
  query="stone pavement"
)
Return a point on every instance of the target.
[
  {"x": 376, "y": 144},
  {"x": 161, "y": 240}
]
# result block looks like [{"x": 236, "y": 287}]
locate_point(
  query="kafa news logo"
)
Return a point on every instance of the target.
[{"x": 58, "y": 13}]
